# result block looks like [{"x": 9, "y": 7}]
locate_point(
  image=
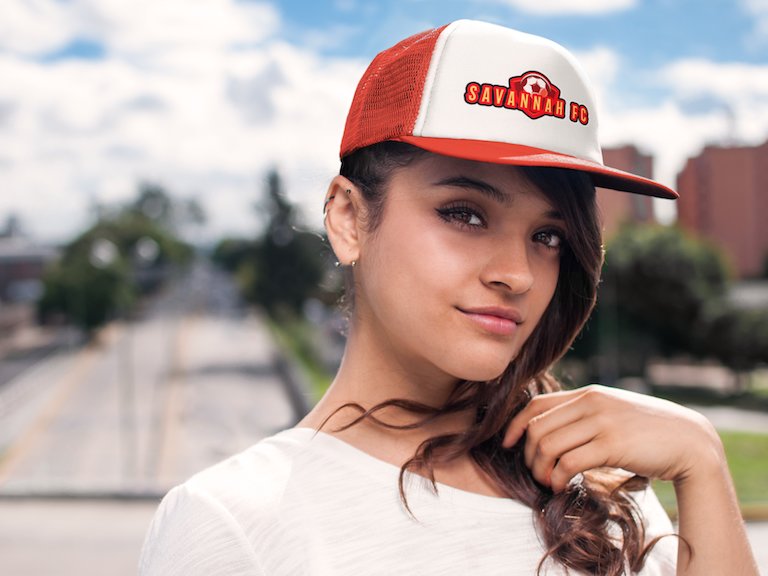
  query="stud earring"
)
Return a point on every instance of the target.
[{"x": 354, "y": 263}]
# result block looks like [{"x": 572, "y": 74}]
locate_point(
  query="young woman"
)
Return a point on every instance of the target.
[{"x": 464, "y": 218}]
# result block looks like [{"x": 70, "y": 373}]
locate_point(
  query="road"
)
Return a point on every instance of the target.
[
  {"x": 148, "y": 403},
  {"x": 91, "y": 437}
]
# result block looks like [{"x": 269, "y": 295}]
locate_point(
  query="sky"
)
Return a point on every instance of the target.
[{"x": 204, "y": 96}]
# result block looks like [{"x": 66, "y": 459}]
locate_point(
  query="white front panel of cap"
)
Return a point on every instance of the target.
[{"x": 470, "y": 94}]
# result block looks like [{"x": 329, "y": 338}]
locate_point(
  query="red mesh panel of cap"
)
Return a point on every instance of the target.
[{"x": 388, "y": 97}]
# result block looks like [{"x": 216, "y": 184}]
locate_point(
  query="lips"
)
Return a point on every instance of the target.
[{"x": 494, "y": 319}]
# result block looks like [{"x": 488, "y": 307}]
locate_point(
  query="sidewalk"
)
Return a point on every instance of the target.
[{"x": 735, "y": 419}]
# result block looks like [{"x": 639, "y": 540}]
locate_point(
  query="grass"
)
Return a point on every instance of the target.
[
  {"x": 760, "y": 383},
  {"x": 296, "y": 336},
  {"x": 747, "y": 455}
]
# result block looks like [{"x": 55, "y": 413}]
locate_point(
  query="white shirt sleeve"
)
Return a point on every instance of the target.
[
  {"x": 193, "y": 534},
  {"x": 662, "y": 558}
]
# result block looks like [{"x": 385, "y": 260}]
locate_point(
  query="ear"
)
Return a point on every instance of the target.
[{"x": 343, "y": 210}]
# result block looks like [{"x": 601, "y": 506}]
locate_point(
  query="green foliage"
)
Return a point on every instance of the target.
[
  {"x": 287, "y": 271},
  {"x": 104, "y": 270},
  {"x": 299, "y": 338},
  {"x": 230, "y": 253},
  {"x": 285, "y": 265},
  {"x": 663, "y": 280},
  {"x": 86, "y": 294},
  {"x": 155, "y": 204},
  {"x": 663, "y": 293},
  {"x": 737, "y": 337}
]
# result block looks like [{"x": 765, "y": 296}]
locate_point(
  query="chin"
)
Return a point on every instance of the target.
[{"x": 479, "y": 371}]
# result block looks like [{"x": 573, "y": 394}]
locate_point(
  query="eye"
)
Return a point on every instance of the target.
[
  {"x": 463, "y": 215},
  {"x": 552, "y": 239}
]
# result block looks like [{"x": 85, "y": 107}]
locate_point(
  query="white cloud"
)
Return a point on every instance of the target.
[
  {"x": 34, "y": 26},
  {"x": 136, "y": 28},
  {"x": 562, "y": 7},
  {"x": 726, "y": 80},
  {"x": 738, "y": 92},
  {"x": 601, "y": 65},
  {"x": 205, "y": 118},
  {"x": 758, "y": 11},
  {"x": 146, "y": 27}
]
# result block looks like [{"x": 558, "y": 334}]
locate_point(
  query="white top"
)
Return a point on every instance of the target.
[{"x": 303, "y": 503}]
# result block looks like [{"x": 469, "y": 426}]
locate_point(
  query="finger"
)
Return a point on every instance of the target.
[
  {"x": 550, "y": 448},
  {"x": 588, "y": 456},
  {"x": 544, "y": 424},
  {"x": 538, "y": 405}
]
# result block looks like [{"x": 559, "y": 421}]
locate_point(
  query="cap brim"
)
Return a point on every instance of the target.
[{"x": 517, "y": 155}]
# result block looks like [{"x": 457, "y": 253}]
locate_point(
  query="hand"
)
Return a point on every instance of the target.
[{"x": 573, "y": 431}]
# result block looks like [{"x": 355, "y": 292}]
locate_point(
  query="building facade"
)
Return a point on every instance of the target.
[
  {"x": 724, "y": 198},
  {"x": 617, "y": 208}
]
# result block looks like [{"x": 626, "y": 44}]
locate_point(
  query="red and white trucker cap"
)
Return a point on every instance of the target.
[{"x": 484, "y": 92}]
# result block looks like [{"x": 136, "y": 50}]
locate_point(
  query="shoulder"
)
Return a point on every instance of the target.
[
  {"x": 256, "y": 477},
  {"x": 221, "y": 511}
]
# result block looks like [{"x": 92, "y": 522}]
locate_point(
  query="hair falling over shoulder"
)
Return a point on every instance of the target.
[{"x": 593, "y": 526}]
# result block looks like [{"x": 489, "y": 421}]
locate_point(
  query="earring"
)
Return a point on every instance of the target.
[
  {"x": 327, "y": 200},
  {"x": 354, "y": 263}
]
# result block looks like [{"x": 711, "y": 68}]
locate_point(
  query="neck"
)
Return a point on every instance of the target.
[{"x": 371, "y": 372}]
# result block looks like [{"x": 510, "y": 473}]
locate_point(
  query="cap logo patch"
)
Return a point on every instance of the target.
[{"x": 531, "y": 93}]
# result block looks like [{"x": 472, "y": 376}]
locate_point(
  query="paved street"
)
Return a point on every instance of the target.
[
  {"x": 72, "y": 538},
  {"x": 145, "y": 406},
  {"x": 91, "y": 437}
]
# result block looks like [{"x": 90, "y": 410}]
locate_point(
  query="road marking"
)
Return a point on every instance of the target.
[
  {"x": 169, "y": 434},
  {"x": 80, "y": 366}
]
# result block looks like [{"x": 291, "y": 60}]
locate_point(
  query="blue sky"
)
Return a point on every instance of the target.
[
  {"x": 203, "y": 96},
  {"x": 648, "y": 32}
]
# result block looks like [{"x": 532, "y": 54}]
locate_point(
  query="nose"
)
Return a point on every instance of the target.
[{"x": 508, "y": 268}]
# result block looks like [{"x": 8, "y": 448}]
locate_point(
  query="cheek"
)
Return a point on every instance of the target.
[
  {"x": 546, "y": 276},
  {"x": 411, "y": 268},
  {"x": 413, "y": 271}
]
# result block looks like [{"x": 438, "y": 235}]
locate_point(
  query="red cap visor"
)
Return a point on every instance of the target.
[{"x": 518, "y": 155}]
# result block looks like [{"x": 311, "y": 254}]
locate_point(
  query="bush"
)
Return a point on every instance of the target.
[
  {"x": 659, "y": 292},
  {"x": 663, "y": 280}
]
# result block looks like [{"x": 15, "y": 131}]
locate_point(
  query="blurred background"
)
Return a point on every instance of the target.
[{"x": 167, "y": 297}]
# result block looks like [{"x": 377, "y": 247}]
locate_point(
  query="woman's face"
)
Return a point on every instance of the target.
[{"x": 460, "y": 269}]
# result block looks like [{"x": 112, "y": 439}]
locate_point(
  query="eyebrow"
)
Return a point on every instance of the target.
[{"x": 488, "y": 190}]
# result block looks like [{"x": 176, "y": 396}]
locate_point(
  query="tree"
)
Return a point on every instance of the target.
[
  {"x": 154, "y": 203},
  {"x": 104, "y": 270},
  {"x": 737, "y": 337},
  {"x": 664, "y": 279},
  {"x": 288, "y": 262},
  {"x": 659, "y": 285},
  {"x": 88, "y": 285}
]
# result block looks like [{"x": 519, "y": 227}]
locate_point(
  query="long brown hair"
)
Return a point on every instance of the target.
[{"x": 579, "y": 525}]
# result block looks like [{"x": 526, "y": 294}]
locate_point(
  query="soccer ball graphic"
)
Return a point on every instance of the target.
[{"x": 535, "y": 84}]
